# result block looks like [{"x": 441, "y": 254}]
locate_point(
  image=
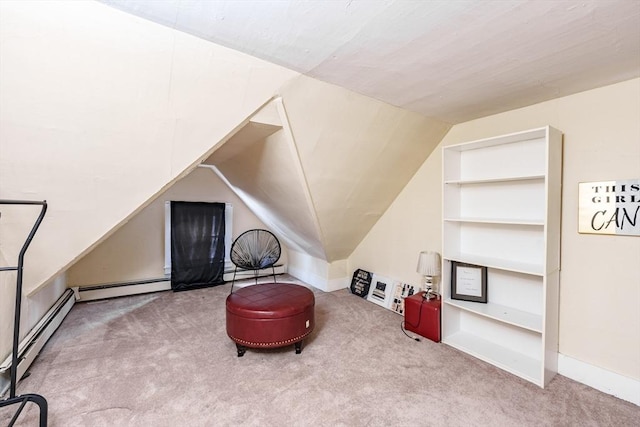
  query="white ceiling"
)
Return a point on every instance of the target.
[{"x": 452, "y": 60}]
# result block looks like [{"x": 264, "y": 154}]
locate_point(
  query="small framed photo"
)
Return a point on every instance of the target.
[
  {"x": 380, "y": 291},
  {"x": 468, "y": 282},
  {"x": 400, "y": 292}
]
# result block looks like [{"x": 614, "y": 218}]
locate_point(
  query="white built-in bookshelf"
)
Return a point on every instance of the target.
[{"x": 501, "y": 210}]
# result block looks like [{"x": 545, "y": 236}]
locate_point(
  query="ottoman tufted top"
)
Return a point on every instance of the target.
[{"x": 270, "y": 301}]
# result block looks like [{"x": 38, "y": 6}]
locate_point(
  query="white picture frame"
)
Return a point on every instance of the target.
[
  {"x": 380, "y": 291},
  {"x": 400, "y": 292}
]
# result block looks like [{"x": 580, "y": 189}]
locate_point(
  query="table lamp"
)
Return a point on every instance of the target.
[{"x": 429, "y": 267}]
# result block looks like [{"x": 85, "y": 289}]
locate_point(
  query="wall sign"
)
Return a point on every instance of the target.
[{"x": 609, "y": 207}]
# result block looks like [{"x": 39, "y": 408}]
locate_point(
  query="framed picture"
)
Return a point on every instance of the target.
[
  {"x": 361, "y": 282},
  {"x": 468, "y": 282},
  {"x": 380, "y": 291},
  {"x": 400, "y": 292}
]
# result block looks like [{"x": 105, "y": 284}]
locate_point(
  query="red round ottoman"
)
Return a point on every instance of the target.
[{"x": 270, "y": 315}]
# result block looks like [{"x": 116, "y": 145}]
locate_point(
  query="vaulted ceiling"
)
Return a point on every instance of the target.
[
  {"x": 326, "y": 164},
  {"x": 320, "y": 165},
  {"x": 450, "y": 60}
]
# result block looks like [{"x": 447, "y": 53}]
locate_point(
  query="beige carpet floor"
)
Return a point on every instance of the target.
[{"x": 164, "y": 359}]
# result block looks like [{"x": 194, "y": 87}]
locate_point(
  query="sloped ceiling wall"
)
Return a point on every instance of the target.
[
  {"x": 100, "y": 111},
  {"x": 454, "y": 60},
  {"x": 332, "y": 168},
  {"x": 357, "y": 153},
  {"x": 265, "y": 173}
]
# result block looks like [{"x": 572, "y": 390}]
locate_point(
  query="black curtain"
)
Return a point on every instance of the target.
[{"x": 197, "y": 245}]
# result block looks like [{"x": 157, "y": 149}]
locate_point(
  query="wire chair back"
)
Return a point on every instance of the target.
[{"x": 255, "y": 250}]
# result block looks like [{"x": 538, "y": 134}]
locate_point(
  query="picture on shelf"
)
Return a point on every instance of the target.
[
  {"x": 400, "y": 292},
  {"x": 468, "y": 282}
]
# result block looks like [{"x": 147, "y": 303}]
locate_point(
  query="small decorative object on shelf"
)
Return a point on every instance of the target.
[{"x": 468, "y": 282}]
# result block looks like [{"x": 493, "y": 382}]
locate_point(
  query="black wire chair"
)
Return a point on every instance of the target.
[{"x": 255, "y": 250}]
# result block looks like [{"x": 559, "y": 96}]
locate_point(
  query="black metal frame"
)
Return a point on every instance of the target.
[
  {"x": 483, "y": 282},
  {"x": 35, "y": 398},
  {"x": 248, "y": 267}
]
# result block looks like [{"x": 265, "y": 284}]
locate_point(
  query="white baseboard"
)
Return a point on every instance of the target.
[
  {"x": 249, "y": 274},
  {"x": 336, "y": 284},
  {"x": 622, "y": 387},
  {"x": 306, "y": 276},
  {"x": 318, "y": 281},
  {"x": 32, "y": 343}
]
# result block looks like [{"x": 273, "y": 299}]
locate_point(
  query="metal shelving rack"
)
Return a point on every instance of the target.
[{"x": 25, "y": 398}]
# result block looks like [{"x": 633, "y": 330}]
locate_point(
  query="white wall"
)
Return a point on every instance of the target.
[
  {"x": 100, "y": 110},
  {"x": 410, "y": 225},
  {"x": 136, "y": 250},
  {"x": 32, "y": 307},
  {"x": 21, "y": 219},
  {"x": 356, "y": 154},
  {"x": 599, "y": 280}
]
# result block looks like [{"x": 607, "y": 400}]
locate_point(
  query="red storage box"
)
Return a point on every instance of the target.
[{"x": 422, "y": 316}]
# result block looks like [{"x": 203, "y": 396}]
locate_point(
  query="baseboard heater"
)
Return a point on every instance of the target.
[
  {"x": 113, "y": 290},
  {"x": 31, "y": 344}
]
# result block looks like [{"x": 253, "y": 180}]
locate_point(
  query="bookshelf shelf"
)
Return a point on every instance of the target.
[{"x": 501, "y": 210}]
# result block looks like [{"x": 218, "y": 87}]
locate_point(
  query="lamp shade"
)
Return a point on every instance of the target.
[{"x": 429, "y": 263}]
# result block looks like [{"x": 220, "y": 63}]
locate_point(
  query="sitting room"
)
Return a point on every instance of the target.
[{"x": 355, "y": 213}]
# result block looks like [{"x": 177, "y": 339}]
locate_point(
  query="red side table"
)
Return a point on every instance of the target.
[{"x": 422, "y": 316}]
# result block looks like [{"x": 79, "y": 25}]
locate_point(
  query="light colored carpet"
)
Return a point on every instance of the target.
[{"x": 164, "y": 359}]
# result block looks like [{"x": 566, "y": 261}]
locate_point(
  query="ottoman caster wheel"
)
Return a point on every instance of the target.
[
  {"x": 298, "y": 347},
  {"x": 241, "y": 350}
]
